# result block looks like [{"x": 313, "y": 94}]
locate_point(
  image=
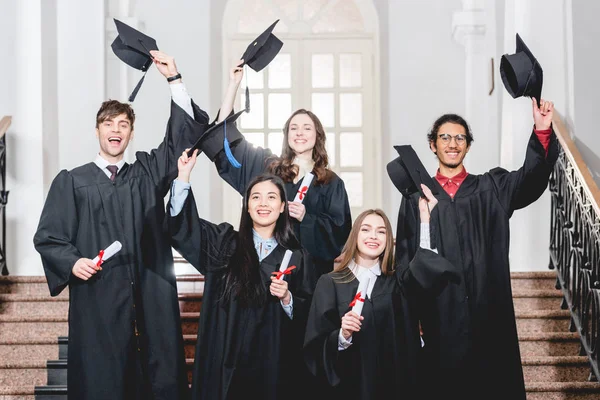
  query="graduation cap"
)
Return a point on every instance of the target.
[
  {"x": 521, "y": 73},
  {"x": 260, "y": 53},
  {"x": 257, "y": 56},
  {"x": 407, "y": 172},
  {"x": 218, "y": 137},
  {"x": 133, "y": 48}
]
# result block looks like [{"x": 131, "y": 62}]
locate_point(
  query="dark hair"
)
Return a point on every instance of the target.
[
  {"x": 243, "y": 280},
  {"x": 386, "y": 258},
  {"x": 283, "y": 166},
  {"x": 112, "y": 108},
  {"x": 454, "y": 119}
]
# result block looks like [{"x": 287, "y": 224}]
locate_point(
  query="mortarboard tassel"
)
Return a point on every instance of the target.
[
  {"x": 247, "y": 95},
  {"x": 235, "y": 163},
  {"x": 137, "y": 88}
]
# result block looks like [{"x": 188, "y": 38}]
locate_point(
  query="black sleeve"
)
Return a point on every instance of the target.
[
  {"x": 57, "y": 232},
  {"x": 253, "y": 160},
  {"x": 324, "y": 232},
  {"x": 322, "y": 331},
  {"x": 408, "y": 230},
  {"x": 181, "y": 133},
  {"x": 205, "y": 245},
  {"x": 517, "y": 189},
  {"x": 427, "y": 273}
]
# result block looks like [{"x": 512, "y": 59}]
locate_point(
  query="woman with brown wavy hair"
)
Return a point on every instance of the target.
[
  {"x": 322, "y": 220},
  {"x": 366, "y": 354}
]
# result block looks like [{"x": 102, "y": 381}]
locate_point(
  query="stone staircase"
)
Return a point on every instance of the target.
[{"x": 33, "y": 342}]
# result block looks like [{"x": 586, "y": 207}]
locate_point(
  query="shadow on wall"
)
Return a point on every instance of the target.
[{"x": 591, "y": 158}]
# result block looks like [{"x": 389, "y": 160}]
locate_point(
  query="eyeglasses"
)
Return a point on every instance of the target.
[{"x": 446, "y": 138}]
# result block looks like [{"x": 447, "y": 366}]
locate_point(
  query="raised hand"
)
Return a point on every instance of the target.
[
  {"x": 185, "y": 165},
  {"x": 164, "y": 63},
  {"x": 236, "y": 73},
  {"x": 542, "y": 115},
  {"x": 426, "y": 204}
]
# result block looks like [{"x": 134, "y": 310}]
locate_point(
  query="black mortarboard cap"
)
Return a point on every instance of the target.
[
  {"x": 218, "y": 137},
  {"x": 521, "y": 73},
  {"x": 407, "y": 172},
  {"x": 260, "y": 53},
  {"x": 133, "y": 48},
  {"x": 263, "y": 49}
]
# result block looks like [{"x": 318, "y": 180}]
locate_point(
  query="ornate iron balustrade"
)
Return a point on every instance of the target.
[
  {"x": 4, "y": 124},
  {"x": 575, "y": 244}
]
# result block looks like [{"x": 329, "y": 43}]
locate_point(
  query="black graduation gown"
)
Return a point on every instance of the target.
[
  {"x": 86, "y": 212},
  {"x": 327, "y": 222},
  {"x": 243, "y": 352},
  {"x": 383, "y": 356},
  {"x": 470, "y": 330}
]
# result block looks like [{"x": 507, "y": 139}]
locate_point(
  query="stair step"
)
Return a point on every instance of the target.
[
  {"x": 543, "y": 320},
  {"x": 22, "y": 372},
  {"x": 31, "y": 305},
  {"x": 23, "y": 284},
  {"x": 556, "y": 369},
  {"x": 17, "y": 393},
  {"x": 33, "y": 330},
  {"x": 563, "y": 391},
  {"x": 537, "y": 299},
  {"x": 190, "y": 302},
  {"x": 549, "y": 344},
  {"x": 51, "y": 392},
  {"x": 22, "y": 351},
  {"x": 533, "y": 280}
]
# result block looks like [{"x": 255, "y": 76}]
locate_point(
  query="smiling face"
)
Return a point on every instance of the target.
[
  {"x": 114, "y": 134},
  {"x": 265, "y": 205},
  {"x": 451, "y": 154},
  {"x": 302, "y": 135},
  {"x": 371, "y": 240}
]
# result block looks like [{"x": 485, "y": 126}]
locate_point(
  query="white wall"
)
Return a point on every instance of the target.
[
  {"x": 425, "y": 73},
  {"x": 586, "y": 54},
  {"x": 182, "y": 29},
  {"x": 8, "y": 30}
]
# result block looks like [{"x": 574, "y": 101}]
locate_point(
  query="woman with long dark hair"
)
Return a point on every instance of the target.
[
  {"x": 322, "y": 220},
  {"x": 254, "y": 308},
  {"x": 366, "y": 355}
]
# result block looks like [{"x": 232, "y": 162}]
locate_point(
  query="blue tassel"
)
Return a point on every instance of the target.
[{"x": 227, "y": 149}]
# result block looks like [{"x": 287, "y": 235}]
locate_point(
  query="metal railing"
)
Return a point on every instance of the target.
[
  {"x": 575, "y": 243},
  {"x": 4, "y": 125}
]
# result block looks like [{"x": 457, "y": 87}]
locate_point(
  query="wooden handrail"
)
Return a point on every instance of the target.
[
  {"x": 574, "y": 156},
  {"x": 4, "y": 124}
]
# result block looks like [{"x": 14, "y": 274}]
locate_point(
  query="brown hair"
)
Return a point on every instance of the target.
[
  {"x": 350, "y": 250},
  {"x": 283, "y": 166},
  {"x": 111, "y": 108}
]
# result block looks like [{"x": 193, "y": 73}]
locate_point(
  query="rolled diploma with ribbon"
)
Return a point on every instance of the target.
[
  {"x": 306, "y": 181},
  {"x": 361, "y": 293},
  {"x": 284, "y": 263},
  {"x": 107, "y": 253}
]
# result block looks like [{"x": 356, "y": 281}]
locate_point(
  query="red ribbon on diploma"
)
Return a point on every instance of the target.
[
  {"x": 279, "y": 274},
  {"x": 100, "y": 255},
  {"x": 302, "y": 192},
  {"x": 356, "y": 298}
]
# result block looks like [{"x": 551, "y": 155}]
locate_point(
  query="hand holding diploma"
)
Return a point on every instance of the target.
[
  {"x": 297, "y": 209},
  {"x": 351, "y": 321},
  {"x": 279, "y": 287},
  {"x": 85, "y": 268}
]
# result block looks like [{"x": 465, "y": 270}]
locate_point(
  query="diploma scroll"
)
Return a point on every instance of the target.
[
  {"x": 306, "y": 181},
  {"x": 107, "y": 253},
  {"x": 283, "y": 268},
  {"x": 361, "y": 294}
]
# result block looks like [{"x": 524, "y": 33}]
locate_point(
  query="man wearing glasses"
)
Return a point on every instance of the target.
[{"x": 471, "y": 346}]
